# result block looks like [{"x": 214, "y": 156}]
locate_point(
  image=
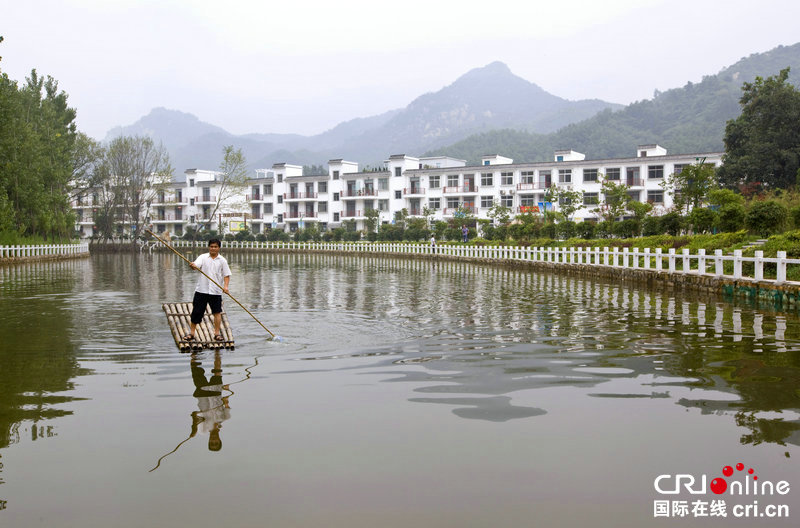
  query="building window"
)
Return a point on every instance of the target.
[
  {"x": 335, "y": 217},
  {"x": 507, "y": 200},
  {"x": 636, "y": 196},
  {"x": 655, "y": 171},
  {"x": 656, "y": 197},
  {"x": 398, "y": 171},
  {"x": 486, "y": 179},
  {"x": 383, "y": 184},
  {"x": 526, "y": 177},
  {"x": 398, "y": 195},
  {"x": 527, "y": 200},
  {"x": 267, "y": 208},
  {"x": 322, "y": 207},
  {"x": 434, "y": 203},
  {"x": 591, "y": 198},
  {"x": 679, "y": 168},
  {"x": 383, "y": 205},
  {"x": 335, "y": 175},
  {"x": 564, "y": 175},
  {"x": 268, "y": 189},
  {"x": 434, "y": 182},
  {"x": 191, "y": 201},
  {"x": 589, "y": 175},
  {"x": 335, "y": 197},
  {"x": 559, "y": 158},
  {"x": 613, "y": 174},
  {"x": 280, "y": 178},
  {"x": 452, "y": 203},
  {"x": 487, "y": 201},
  {"x": 280, "y": 199},
  {"x": 452, "y": 180},
  {"x": 280, "y": 218},
  {"x": 506, "y": 178},
  {"x": 487, "y": 162},
  {"x": 191, "y": 182},
  {"x": 322, "y": 186}
]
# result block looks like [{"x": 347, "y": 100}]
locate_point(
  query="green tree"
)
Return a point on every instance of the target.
[
  {"x": 691, "y": 186},
  {"x": 371, "y": 223},
  {"x": 615, "y": 200},
  {"x": 762, "y": 145},
  {"x": 702, "y": 219},
  {"x": 500, "y": 214},
  {"x": 569, "y": 202}
]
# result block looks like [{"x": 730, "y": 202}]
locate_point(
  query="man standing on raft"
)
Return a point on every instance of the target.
[{"x": 207, "y": 293}]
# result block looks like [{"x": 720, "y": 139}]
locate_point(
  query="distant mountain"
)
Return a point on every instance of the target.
[
  {"x": 483, "y": 99},
  {"x": 684, "y": 120}
]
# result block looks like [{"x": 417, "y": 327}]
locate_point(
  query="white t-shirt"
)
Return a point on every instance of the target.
[{"x": 216, "y": 268}]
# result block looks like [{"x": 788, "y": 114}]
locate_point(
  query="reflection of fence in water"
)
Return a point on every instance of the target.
[{"x": 492, "y": 297}]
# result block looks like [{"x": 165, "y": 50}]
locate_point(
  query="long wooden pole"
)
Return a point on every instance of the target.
[{"x": 212, "y": 280}]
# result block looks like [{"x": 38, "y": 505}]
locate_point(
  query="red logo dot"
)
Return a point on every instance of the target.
[
  {"x": 719, "y": 485},
  {"x": 739, "y": 466},
  {"x": 727, "y": 471},
  {"x": 755, "y": 477},
  {"x": 751, "y": 471}
]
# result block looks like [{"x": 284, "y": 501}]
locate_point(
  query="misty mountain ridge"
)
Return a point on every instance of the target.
[
  {"x": 482, "y": 99},
  {"x": 488, "y": 109},
  {"x": 690, "y": 119}
]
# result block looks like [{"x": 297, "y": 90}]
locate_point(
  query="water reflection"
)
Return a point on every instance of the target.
[
  {"x": 490, "y": 332},
  {"x": 37, "y": 356}
]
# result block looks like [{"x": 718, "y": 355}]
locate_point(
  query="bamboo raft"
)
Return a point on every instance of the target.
[{"x": 178, "y": 320}]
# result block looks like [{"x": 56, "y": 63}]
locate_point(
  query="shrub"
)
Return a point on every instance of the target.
[
  {"x": 702, "y": 219},
  {"x": 767, "y": 217},
  {"x": 566, "y": 229},
  {"x": 651, "y": 226},
  {"x": 672, "y": 223},
  {"x": 627, "y": 228},
  {"x": 586, "y": 230},
  {"x": 731, "y": 217}
]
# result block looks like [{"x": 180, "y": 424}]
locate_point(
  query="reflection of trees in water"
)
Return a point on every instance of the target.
[
  {"x": 502, "y": 329},
  {"x": 37, "y": 359}
]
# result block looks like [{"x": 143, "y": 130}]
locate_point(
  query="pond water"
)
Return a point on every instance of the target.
[{"x": 407, "y": 393}]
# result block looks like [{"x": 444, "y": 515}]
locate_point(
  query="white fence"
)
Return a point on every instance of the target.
[
  {"x": 46, "y": 250},
  {"x": 684, "y": 262}
]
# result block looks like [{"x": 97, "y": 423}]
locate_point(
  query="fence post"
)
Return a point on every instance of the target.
[
  {"x": 605, "y": 255},
  {"x": 635, "y": 258},
  {"x": 687, "y": 267},
  {"x": 626, "y": 253},
  {"x": 615, "y": 256},
  {"x": 646, "y": 258},
  {"x": 759, "y": 265},
  {"x": 701, "y": 261},
  {"x": 718, "y": 267},
  {"x": 737, "y": 263},
  {"x": 671, "y": 260},
  {"x": 781, "y": 277}
]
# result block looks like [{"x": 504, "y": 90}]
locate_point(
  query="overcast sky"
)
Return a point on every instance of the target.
[{"x": 304, "y": 66}]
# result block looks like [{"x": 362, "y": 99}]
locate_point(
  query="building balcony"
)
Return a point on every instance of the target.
[
  {"x": 462, "y": 189},
  {"x": 254, "y": 197},
  {"x": 411, "y": 191},
  {"x": 206, "y": 199},
  {"x": 450, "y": 211},
  {"x": 353, "y": 214},
  {"x": 634, "y": 182},
  {"x": 85, "y": 220},
  {"x": 300, "y": 196},
  {"x": 360, "y": 193},
  {"x": 300, "y": 214},
  {"x": 415, "y": 212},
  {"x": 255, "y": 216},
  {"x": 168, "y": 219},
  {"x": 169, "y": 201}
]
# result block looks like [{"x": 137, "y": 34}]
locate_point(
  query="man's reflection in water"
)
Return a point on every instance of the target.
[{"x": 214, "y": 407}]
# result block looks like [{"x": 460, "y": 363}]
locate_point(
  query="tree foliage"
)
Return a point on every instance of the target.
[
  {"x": 137, "y": 169},
  {"x": 691, "y": 186},
  {"x": 37, "y": 138},
  {"x": 231, "y": 179},
  {"x": 762, "y": 145}
]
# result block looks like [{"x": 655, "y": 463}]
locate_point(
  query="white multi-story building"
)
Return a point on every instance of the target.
[{"x": 283, "y": 198}]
